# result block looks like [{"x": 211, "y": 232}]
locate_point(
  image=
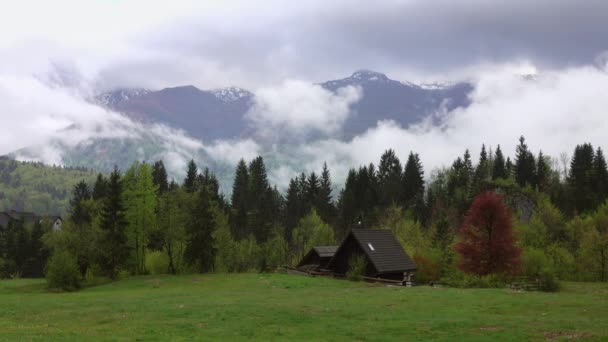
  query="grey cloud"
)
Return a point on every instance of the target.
[{"x": 312, "y": 41}]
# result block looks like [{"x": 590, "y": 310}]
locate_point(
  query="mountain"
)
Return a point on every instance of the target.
[
  {"x": 206, "y": 115},
  {"x": 220, "y": 113},
  {"x": 405, "y": 103}
]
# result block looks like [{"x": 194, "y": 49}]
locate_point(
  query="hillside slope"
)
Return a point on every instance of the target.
[{"x": 35, "y": 187}]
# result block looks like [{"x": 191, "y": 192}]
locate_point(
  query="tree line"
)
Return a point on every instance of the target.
[{"x": 140, "y": 221}]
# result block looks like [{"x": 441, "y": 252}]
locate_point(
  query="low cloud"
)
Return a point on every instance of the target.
[{"x": 299, "y": 109}]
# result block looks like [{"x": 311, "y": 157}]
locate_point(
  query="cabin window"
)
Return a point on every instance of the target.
[{"x": 370, "y": 246}]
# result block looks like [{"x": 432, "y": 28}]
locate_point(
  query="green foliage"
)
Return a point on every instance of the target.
[
  {"x": 157, "y": 262},
  {"x": 274, "y": 252},
  {"x": 199, "y": 226},
  {"x": 464, "y": 280},
  {"x": 311, "y": 231},
  {"x": 113, "y": 248},
  {"x": 357, "y": 266},
  {"x": 140, "y": 201},
  {"x": 62, "y": 271},
  {"x": 29, "y": 186}
]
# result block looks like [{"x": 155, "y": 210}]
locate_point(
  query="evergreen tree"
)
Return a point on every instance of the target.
[
  {"x": 100, "y": 188},
  {"x": 348, "y": 204},
  {"x": 293, "y": 208},
  {"x": 312, "y": 190},
  {"x": 263, "y": 204},
  {"x": 389, "y": 178},
  {"x": 542, "y": 172},
  {"x": 113, "y": 243},
  {"x": 509, "y": 167},
  {"x": 468, "y": 167},
  {"x": 581, "y": 178},
  {"x": 600, "y": 172},
  {"x": 239, "y": 201},
  {"x": 500, "y": 169},
  {"x": 325, "y": 205},
  {"x": 199, "y": 228},
  {"x": 190, "y": 182},
  {"x": 525, "y": 165},
  {"x": 159, "y": 175},
  {"x": 482, "y": 171},
  {"x": 80, "y": 193},
  {"x": 413, "y": 180}
]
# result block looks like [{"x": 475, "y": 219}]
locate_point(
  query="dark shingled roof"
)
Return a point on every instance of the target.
[
  {"x": 387, "y": 254},
  {"x": 325, "y": 251}
]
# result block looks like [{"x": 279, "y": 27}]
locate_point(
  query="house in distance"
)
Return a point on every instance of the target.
[
  {"x": 384, "y": 256},
  {"x": 317, "y": 258}
]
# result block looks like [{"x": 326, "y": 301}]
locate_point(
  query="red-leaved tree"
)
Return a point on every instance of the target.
[{"x": 488, "y": 243}]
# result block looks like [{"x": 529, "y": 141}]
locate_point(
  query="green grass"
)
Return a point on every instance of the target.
[{"x": 288, "y": 307}]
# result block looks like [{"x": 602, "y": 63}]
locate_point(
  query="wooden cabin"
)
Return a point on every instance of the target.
[
  {"x": 318, "y": 257},
  {"x": 384, "y": 255}
]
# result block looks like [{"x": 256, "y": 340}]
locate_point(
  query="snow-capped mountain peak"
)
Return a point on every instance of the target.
[
  {"x": 111, "y": 98},
  {"x": 368, "y": 75},
  {"x": 230, "y": 94}
]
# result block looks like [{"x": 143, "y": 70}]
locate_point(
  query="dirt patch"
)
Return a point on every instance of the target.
[
  {"x": 490, "y": 328},
  {"x": 566, "y": 335}
]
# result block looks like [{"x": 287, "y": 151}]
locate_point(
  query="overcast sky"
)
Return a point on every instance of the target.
[
  {"x": 53, "y": 54},
  {"x": 254, "y": 43}
]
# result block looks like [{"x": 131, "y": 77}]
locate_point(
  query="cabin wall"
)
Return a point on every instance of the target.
[{"x": 350, "y": 248}]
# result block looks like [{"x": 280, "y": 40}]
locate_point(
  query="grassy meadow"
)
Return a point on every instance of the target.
[{"x": 281, "y": 307}]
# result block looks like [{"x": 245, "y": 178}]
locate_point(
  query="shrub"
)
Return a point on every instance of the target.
[
  {"x": 357, "y": 268},
  {"x": 62, "y": 272},
  {"x": 538, "y": 267},
  {"x": 428, "y": 269},
  {"x": 548, "y": 282},
  {"x": 463, "y": 280},
  {"x": 157, "y": 262}
]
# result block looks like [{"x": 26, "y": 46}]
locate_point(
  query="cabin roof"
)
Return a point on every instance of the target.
[
  {"x": 325, "y": 251},
  {"x": 383, "y": 250}
]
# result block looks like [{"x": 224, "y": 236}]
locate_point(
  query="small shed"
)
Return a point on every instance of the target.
[
  {"x": 384, "y": 255},
  {"x": 319, "y": 256}
]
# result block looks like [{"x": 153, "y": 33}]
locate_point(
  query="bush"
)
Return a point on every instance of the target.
[
  {"x": 428, "y": 269},
  {"x": 62, "y": 272},
  {"x": 548, "y": 282},
  {"x": 157, "y": 262},
  {"x": 357, "y": 268},
  {"x": 538, "y": 267},
  {"x": 463, "y": 280}
]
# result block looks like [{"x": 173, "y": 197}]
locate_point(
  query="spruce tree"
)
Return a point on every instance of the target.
[
  {"x": 509, "y": 167},
  {"x": 199, "y": 226},
  {"x": 581, "y": 178},
  {"x": 261, "y": 200},
  {"x": 600, "y": 172},
  {"x": 482, "y": 171},
  {"x": 542, "y": 172},
  {"x": 525, "y": 165},
  {"x": 160, "y": 177},
  {"x": 239, "y": 201},
  {"x": 293, "y": 208},
  {"x": 413, "y": 180},
  {"x": 389, "y": 178},
  {"x": 190, "y": 182},
  {"x": 500, "y": 169},
  {"x": 325, "y": 205},
  {"x": 312, "y": 190},
  {"x": 113, "y": 244},
  {"x": 80, "y": 193},
  {"x": 100, "y": 188}
]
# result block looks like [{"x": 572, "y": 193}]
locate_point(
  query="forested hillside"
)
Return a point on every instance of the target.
[
  {"x": 540, "y": 219},
  {"x": 27, "y": 186}
]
